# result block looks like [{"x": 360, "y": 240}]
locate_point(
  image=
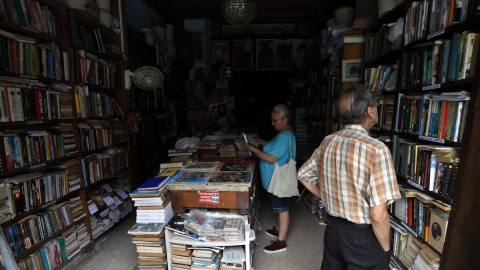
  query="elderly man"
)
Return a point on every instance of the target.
[{"x": 354, "y": 176}]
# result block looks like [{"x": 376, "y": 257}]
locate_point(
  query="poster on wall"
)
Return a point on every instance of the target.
[
  {"x": 265, "y": 54},
  {"x": 284, "y": 56},
  {"x": 300, "y": 48},
  {"x": 242, "y": 60},
  {"x": 220, "y": 52}
]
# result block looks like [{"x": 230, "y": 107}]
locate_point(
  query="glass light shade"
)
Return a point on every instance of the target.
[{"x": 239, "y": 11}]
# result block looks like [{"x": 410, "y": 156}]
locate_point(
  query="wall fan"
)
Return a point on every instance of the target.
[{"x": 146, "y": 78}]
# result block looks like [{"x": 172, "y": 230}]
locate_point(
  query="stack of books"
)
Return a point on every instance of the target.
[
  {"x": 76, "y": 208},
  {"x": 227, "y": 151},
  {"x": 152, "y": 201},
  {"x": 240, "y": 145},
  {"x": 205, "y": 258},
  {"x": 181, "y": 257},
  {"x": 83, "y": 236},
  {"x": 181, "y": 154},
  {"x": 72, "y": 246},
  {"x": 150, "y": 242}
]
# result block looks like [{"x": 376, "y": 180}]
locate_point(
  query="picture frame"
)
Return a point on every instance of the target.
[
  {"x": 242, "y": 60},
  {"x": 265, "y": 54},
  {"x": 352, "y": 70},
  {"x": 198, "y": 46},
  {"x": 221, "y": 84},
  {"x": 220, "y": 52},
  {"x": 284, "y": 55}
]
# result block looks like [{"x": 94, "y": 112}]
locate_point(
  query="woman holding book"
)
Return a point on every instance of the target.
[{"x": 277, "y": 151}]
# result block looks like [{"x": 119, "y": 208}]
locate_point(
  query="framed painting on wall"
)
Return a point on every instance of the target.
[
  {"x": 220, "y": 52},
  {"x": 265, "y": 53},
  {"x": 352, "y": 70},
  {"x": 284, "y": 54},
  {"x": 242, "y": 60}
]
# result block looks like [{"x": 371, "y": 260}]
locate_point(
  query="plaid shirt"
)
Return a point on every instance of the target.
[{"x": 354, "y": 172}]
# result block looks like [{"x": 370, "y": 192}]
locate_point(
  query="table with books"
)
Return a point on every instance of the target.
[
  {"x": 206, "y": 240},
  {"x": 215, "y": 185}
]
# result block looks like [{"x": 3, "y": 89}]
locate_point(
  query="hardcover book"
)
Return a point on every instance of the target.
[{"x": 231, "y": 177}]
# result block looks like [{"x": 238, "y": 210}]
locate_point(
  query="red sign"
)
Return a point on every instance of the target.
[{"x": 208, "y": 197}]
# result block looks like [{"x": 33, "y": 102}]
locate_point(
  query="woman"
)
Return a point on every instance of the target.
[{"x": 277, "y": 151}]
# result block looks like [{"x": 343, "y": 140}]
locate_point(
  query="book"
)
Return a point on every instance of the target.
[
  {"x": 438, "y": 229},
  {"x": 196, "y": 178},
  {"x": 231, "y": 177},
  {"x": 169, "y": 172},
  {"x": 146, "y": 228},
  {"x": 153, "y": 183},
  {"x": 200, "y": 166},
  {"x": 237, "y": 167}
]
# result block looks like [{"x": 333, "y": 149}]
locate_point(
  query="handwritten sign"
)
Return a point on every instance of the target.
[
  {"x": 116, "y": 201},
  {"x": 122, "y": 194},
  {"x": 92, "y": 208},
  {"x": 107, "y": 188},
  {"x": 108, "y": 200}
]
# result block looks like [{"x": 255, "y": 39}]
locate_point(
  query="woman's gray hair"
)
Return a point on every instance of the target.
[
  {"x": 353, "y": 105},
  {"x": 283, "y": 111}
]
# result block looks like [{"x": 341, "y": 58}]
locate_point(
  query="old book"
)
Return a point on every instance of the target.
[{"x": 231, "y": 177}]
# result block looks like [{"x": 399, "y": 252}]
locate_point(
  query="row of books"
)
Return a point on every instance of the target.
[
  {"x": 30, "y": 191},
  {"x": 441, "y": 61},
  {"x": 377, "y": 44},
  {"x": 94, "y": 103},
  {"x": 149, "y": 239},
  {"x": 23, "y": 55},
  {"x": 441, "y": 116},
  {"x": 431, "y": 167},
  {"x": 32, "y": 103},
  {"x": 99, "y": 166},
  {"x": 377, "y": 79},
  {"x": 33, "y": 229},
  {"x": 30, "y": 14},
  {"x": 34, "y": 147},
  {"x": 94, "y": 136},
  {"x": 57, "y": 251},
  {"x": 93, "y": 70},
  {"x": 410, "y": 251},
  {"x": 428, "y": 17},
  {"x": 385, "y": 112},
  {"x": 424, "y": 217}
]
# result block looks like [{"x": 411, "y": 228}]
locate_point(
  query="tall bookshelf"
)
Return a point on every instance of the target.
[
  {"x": 461, "y": 236},
  {"x": 59, "y": 53}
]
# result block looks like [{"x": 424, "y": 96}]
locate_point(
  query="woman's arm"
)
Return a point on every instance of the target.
[{"x": 260, "y": 154}]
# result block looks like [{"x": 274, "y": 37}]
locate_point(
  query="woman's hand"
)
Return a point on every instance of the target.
[
  {"x": 260, "y": 141},
  {"x": 249, "y": 147}
]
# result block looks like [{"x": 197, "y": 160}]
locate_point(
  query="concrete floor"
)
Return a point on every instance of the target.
[{"x": 304, "y": 241}]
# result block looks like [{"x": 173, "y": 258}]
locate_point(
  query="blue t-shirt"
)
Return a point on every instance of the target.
[{"x": 280, "y": 148}]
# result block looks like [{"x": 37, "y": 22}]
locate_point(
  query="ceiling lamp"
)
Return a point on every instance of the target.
[{"x": 239, "y": 11}]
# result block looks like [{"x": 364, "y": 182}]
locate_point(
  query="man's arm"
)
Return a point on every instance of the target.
[
  {"x": 313, "y": 188},
  {"x": 381, "y": 225}
]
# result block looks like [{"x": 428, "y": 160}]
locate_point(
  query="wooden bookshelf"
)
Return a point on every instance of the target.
[
  {"x": 462, "y": 234},
  {"x": 63, "y": 40}
]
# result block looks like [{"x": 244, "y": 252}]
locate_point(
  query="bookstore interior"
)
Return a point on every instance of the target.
[{"x": 142, "y": 108}]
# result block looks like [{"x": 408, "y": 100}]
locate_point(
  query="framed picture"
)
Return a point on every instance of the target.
[
  {"x": 352, "y": 70},
  {"x": 265, "y": 53},
  {"x": 242, "y": 60},
  {"x": 198, "y": 46},
  {"x": 220, "y": 52},
  {"x": 284, "y": 56}
]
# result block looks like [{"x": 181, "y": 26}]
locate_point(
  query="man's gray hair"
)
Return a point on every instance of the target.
[
  {"x": 283, "y": 111},
  {"x": 353, "y": 105}
]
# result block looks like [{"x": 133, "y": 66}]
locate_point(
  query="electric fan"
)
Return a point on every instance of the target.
[{"x": 146, "y": 78}]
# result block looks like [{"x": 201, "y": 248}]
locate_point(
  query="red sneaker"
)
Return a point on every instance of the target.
[
  {"x": 273, "y": 232},
  {"x": 275, "y": 247}
]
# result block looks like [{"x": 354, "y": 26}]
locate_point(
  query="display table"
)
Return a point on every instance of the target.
[
  {"x": 170, "y": 238},
  {"x": 214, "y": 195}
]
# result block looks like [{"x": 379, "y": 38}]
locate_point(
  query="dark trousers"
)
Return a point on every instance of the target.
[{"x": 352, "y": 246}]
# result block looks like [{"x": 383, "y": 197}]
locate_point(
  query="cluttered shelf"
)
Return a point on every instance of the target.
[
  {"x": 36, "y": 166},
  {"x": 388, "y": 58}
]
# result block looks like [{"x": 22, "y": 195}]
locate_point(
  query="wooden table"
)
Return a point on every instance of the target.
[{"x": 212, "y": 195}]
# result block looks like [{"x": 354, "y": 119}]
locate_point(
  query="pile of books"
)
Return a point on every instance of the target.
[
  {"x": 150, "y": 242},
  {"x": 181, "y": 257},
  {"x": 205, "y": 258},
  {"x": 153, "y": 201},
  {"x": 181, "y": 154}
]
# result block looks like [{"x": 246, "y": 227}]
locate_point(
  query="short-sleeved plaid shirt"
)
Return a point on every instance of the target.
[{"x": 354, "y": 172}]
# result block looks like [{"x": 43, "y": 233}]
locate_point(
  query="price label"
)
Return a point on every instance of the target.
[
  {"x": 116, "y": 201},
  {"x": 108, "y": 200},
  {"x": 106, "y": 222},
  {"x": 107, "y": 188},
  {"x": 122, "y": 194},
  {"x": 208, "y": 197},
  {"x": 92, "y": 208}
]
